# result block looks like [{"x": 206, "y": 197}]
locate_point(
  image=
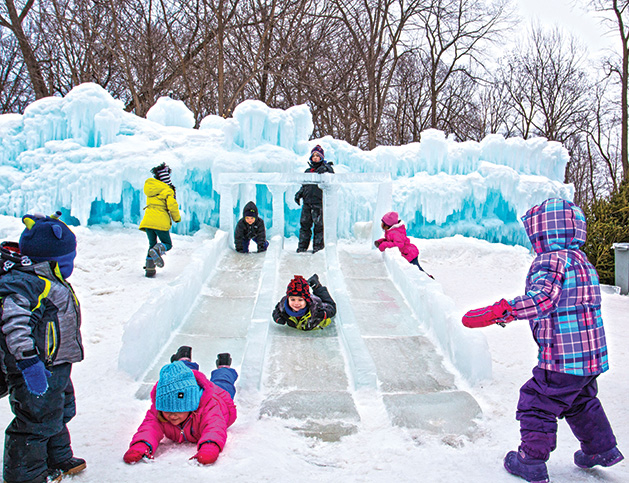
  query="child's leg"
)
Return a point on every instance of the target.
[
  {"x": 317, "y": 219},
  {"x": 164, "y": 237},
  {"x": 38, "y": 419},
  {"x": 544, "y": 398},
  {"x": 305, "y": 232},
  {"x": 588, "y": 421},
  {"x": 225, "y": 377},
  {"x": 152, "y": 236},
  {"x": 59, "y": 449}
]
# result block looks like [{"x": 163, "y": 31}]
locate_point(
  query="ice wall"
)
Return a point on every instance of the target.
[{"x": 85, "y": 155}]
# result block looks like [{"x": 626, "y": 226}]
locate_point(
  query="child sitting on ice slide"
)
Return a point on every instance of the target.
[
  {"x": 300, "y": 310},
  {"x": 395, "y": 236},
  {"x": 187, "y": 407},
  {"x": 563, "y": 306}
]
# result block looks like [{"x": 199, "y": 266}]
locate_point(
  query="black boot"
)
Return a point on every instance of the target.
[
  {"x": 224, "y": 359},
  {"x": 149, "y": 266},
  {"x": 314, "y": 282},
  {"x": 184, "y": 352},
  {"x": 71, "y": 466}
]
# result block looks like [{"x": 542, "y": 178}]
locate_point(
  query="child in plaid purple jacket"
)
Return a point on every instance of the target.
[{"x": 563, "y": 306}]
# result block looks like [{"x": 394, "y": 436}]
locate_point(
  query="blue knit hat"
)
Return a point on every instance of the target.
[
  {"x": 46, "y": 238},
  {"x": 319, "y": 150},
  {"x": 177, "y": 389}
]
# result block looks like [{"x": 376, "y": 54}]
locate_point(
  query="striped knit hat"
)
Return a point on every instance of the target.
[
  {"x": 162, "y": 173},
  {"x": 299, "y": 287}
]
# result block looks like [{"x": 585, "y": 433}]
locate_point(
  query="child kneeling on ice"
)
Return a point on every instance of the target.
[
  {"x": 563, "y": 306},
  {"x": 300, "y": 310},
  {"x": 187, "y": 407},
  {"x": 395, "y": 236},
  {"x": 250, "y": 227}
]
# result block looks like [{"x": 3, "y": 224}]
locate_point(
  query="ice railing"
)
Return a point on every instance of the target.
[{"x": 279, "y": 183}]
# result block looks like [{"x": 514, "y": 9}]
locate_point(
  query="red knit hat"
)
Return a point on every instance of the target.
[{"x": 299, "y": 287}]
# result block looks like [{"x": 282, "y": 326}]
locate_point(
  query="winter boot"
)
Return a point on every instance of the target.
[
  {"x": 314, "y": 282},
  {"x": 71, "y": 466},
  {"x": 607, "y": 458},
  {"x": 519, "y": 464},
  {"x": 302, "y": 249},
  {"x": 156, "y": 254},
  {"x": 149, "y": 266},
  {"x": 224, "y": 360},
  {"x": 184, "y": 352}
]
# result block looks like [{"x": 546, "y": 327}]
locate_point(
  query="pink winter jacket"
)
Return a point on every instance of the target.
[
  {"x": 396, "y": 237},
  {"x": 216, "y": 412}
]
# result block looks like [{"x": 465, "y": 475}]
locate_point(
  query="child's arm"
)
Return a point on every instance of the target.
[
  {"x": 150, "y": 431},
  {"x": 392, "y": 240},
  {"x": 278, "y": 315},
  {"x": 239, "y": 236},
  {"x": 173, "y": 208},
  {"x": 544, "y": 286},
  {"x": 213, "y": 426},
  {"x": 261, "y": 235}
]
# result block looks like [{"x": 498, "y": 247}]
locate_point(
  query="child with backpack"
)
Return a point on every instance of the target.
[
  {"x": 188, "y": 407},
  {"x": 301, "y": 310},
  {"x": 40, "y": 339},
  {"x": 563, "y": 306},
  {"x": 395, "y": 236},
  {"x": 160, "y": 211}
]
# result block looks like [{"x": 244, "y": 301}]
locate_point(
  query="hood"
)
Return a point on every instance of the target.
[
  {"x": 555, "y": 224},
  {"x": 250, "y": 209},
  {"x": 11, "y": 257},
  {"x": 153, "y": 187}
]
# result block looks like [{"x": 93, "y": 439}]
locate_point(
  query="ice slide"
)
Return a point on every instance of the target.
[{"x": 374, "y": 361}]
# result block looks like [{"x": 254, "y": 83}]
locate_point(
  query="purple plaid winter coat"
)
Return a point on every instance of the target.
[{"x": 563, "y": 298}]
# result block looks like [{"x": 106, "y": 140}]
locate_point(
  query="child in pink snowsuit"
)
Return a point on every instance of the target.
[
  {"x": 395, "y": 236},
  {"x": 188, "y": 407}
]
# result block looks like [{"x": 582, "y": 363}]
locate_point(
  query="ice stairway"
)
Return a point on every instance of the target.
[{"x": 316, "y": 381}]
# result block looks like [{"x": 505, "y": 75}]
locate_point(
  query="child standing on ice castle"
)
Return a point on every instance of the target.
[
  {"x": 188, "y": 407},
  {"x": 563, "y": 306},
  {"x": 395, "y": 236},
  {"x": 311, "y": 221},
  {"x": 160, "y": 211}
]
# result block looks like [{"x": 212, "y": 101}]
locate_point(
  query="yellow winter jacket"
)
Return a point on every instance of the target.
[{"x": 161, "y": 206}]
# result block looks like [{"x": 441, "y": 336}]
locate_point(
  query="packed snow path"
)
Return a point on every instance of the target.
[{"x": 373, "y": 361}]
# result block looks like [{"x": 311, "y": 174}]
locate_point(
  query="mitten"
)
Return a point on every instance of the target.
[
  {"x": 314, "y": 282},
  {"x": 377, "y": 243},
  {"x": 297, "y": 199},
  {"x": 136, "y": 452},
  {"x": 498, "y": 313},
  {"x": 208, "y": 453},
  {"x": 35, "y": 375}
]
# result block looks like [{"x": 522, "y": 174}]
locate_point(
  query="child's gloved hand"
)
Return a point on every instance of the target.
[
  {"x": 35, "y": 375},
  {"x": 298, "y": 199},
  {"x": 377, "y": 243},
  {"x": 208, "y": 453},
  {"x": 499, "y": 313},
  {"x": 136, "y": 452}
]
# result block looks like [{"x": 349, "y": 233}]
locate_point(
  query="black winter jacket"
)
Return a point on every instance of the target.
[
  {"x": 311, "y": 193},
  {"x": 318, "y": 313},
  {"x": 245, "y": 232}
]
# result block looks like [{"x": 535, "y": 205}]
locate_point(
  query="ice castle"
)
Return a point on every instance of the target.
[{"x": 83, "y": 154}]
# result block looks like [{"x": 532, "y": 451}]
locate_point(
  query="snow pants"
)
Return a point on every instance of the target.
[
  {"x": 550, "y": 395},
  {"x": 38, "y": 438},
  {"x": 163, "y": 235},
  {"x": 311, "y": 215},
  {"x": 223, "y": 377}
]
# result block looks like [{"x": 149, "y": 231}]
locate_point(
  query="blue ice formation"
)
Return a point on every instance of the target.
[{"x": 85, "y": 155}]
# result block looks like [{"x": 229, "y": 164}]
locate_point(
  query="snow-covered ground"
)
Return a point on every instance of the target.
[{"x": 111, "y": 286}]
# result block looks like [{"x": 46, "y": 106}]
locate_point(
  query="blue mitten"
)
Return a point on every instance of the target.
[{"x": 35, "y": 375}]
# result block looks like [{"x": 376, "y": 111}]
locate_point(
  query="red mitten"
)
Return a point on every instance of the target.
[
  {"x": 208, "y": 453},
  {"x": 136, "y": 452},
  {"x": 500, "y": 312}
]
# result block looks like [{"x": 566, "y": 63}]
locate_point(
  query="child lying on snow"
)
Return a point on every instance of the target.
[{"x": 187, "y": 407}]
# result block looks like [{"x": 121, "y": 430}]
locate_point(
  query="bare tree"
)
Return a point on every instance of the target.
[{"x": 11, "y": 19}]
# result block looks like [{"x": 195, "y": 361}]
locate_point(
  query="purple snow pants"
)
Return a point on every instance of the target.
[{"x": 549, "y": 395}]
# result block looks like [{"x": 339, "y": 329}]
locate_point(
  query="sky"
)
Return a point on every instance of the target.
[{"x": 571, "y": 15}]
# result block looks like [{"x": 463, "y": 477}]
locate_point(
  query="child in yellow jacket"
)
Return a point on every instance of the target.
[{"x": 160, "y": 211}]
